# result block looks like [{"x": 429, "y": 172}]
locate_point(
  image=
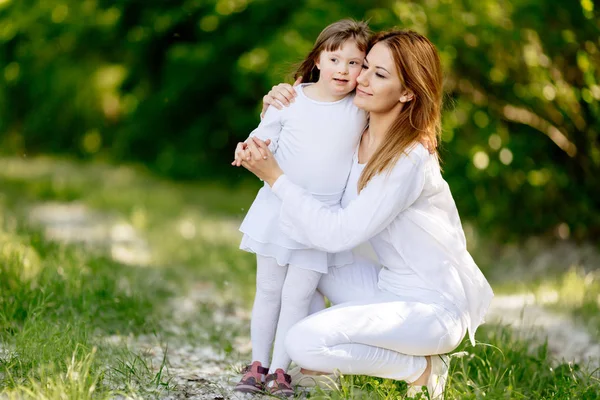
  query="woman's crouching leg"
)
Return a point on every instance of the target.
[
  {"x": 377, "y": 337},
  {"x": 305, "y": 347}
]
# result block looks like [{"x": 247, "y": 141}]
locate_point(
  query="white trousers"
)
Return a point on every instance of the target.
[
  {"x": 284, "y": 295},
  {"x": 370, "y": 331}
]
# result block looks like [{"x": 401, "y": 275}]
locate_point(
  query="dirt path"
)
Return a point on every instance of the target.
[
  {"x": 197, "y": 370},
  {"x": 567, "y": 340}
]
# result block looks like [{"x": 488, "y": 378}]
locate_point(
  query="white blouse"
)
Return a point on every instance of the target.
[{"x": 411, "y": 220}]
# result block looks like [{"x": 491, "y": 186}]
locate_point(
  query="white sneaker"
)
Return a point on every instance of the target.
[
  {"x": 436, "y": 384},
  {"x": 327, "y": 382}
]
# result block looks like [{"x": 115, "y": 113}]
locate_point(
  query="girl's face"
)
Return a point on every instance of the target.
[
  {"x": 340, "y": 68},
  {"x": 379, "y": 89}
]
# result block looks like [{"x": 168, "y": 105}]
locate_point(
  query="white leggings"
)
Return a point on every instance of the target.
[
  {"x": 371, "y": 331},
  {"x": 284, "y": 295}
]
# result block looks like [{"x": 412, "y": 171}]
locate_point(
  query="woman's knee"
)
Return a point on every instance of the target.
[{"x": 301, "y": 344}]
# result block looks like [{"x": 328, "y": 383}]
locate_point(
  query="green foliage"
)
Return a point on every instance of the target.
[{"x": 176, "y": 84}]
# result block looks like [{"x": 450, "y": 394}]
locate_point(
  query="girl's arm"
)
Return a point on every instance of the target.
[
  {"x": 268, "y": 131},
  {"x": 269, "y": 128}
]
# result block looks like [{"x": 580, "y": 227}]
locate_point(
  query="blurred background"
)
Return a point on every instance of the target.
[
  {"x": 175, "y": 84},
  {"x": 119, "y": 209}
]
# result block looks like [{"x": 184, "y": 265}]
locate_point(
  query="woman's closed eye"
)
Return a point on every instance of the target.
[{"x": 377, "y": 74}]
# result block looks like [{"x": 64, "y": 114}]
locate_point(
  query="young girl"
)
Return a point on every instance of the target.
[{"x": 314, "y": 141}]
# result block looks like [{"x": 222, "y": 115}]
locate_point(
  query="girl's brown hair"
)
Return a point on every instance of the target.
[
  {"x": 331, "y": 39},
  {"x": 418, "y": 65}
]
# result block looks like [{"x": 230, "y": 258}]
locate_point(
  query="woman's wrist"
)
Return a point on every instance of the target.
[{"x": 272, "y": 179}]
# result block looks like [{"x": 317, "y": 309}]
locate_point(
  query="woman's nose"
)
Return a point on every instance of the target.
[{"x": 363, "y": 78}]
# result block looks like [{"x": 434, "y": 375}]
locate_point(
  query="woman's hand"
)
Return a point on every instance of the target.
[
  {"x": 279, "y": 96},
  {"x": 243, "y": 153},
  {"x": 261, "y": 162},
  {"x": 429, "y": 144}
]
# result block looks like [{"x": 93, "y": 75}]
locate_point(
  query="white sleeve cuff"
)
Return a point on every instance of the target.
[{"x": 281, "y": 186}]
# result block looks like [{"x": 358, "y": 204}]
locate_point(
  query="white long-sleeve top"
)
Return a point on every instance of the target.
[
  {"x": 314, "y": 142},
  {"x": 412, "y": 222}
]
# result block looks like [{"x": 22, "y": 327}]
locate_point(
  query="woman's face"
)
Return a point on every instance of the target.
[{"x": 379, "y": 89}]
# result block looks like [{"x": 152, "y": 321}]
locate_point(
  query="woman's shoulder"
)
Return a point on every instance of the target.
[
  {"x": 416, "y": 154},
  {"x": 415, "y": 160},
  {"x": 420, "y": 151}
]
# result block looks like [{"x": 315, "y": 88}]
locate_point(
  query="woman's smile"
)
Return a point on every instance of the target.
[{"x": 361, "y": 92}]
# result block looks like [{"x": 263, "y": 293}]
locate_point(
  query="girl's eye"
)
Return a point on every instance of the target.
[
  {"x": 334, "y": 59},
  {"x": 364, "y": 66},
  {"x": 379, "y": 75}
]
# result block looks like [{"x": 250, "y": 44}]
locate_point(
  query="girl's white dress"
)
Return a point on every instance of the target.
[{"x": 314, "y": 143}]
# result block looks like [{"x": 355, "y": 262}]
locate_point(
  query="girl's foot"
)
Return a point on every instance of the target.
[
  {"x": 252, "y": 381},
  {"x": 435, "y": 381},
  {"x": 279, "y": 384}
]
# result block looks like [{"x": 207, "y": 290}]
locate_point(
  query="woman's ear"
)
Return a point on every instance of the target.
[{"x": 407, "y": 96}]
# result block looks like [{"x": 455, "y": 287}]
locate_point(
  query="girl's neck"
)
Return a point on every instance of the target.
[{"x": 319, "y": 92}]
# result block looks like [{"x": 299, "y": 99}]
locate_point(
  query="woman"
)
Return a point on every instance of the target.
[{"x": 429, "y": 293}]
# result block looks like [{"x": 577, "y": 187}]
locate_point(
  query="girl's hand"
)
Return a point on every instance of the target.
[
  {"x": 240, "y": 154},
  {"x": 262, "y": 163},
  {"x": 243, "y": 153},
  {"x": 279, "y": 96}
]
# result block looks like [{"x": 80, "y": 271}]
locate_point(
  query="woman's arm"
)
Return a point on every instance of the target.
[
  {"x": 314, "y": 224},
  {"x": 279, "y": 96}
]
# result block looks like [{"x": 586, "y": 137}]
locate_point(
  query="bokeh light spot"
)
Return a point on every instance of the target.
[
  {"x": 506, "y": 156},
  {"x": 481, "y": 160}
]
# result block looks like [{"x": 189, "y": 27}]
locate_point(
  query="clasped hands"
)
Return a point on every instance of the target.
[{"x": 255, "y": 156}]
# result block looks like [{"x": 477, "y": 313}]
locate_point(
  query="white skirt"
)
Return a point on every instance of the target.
[{"x": 263, "y": 236}]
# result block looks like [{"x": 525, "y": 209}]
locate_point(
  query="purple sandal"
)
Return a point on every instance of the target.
[
  {"x": 279, "y": 384},
  {"x": 252, "y": 381}
]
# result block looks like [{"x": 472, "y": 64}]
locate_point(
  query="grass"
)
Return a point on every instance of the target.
[
  {"x": 67, "y": 313},
  {"x": 57, "y": 304}
]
